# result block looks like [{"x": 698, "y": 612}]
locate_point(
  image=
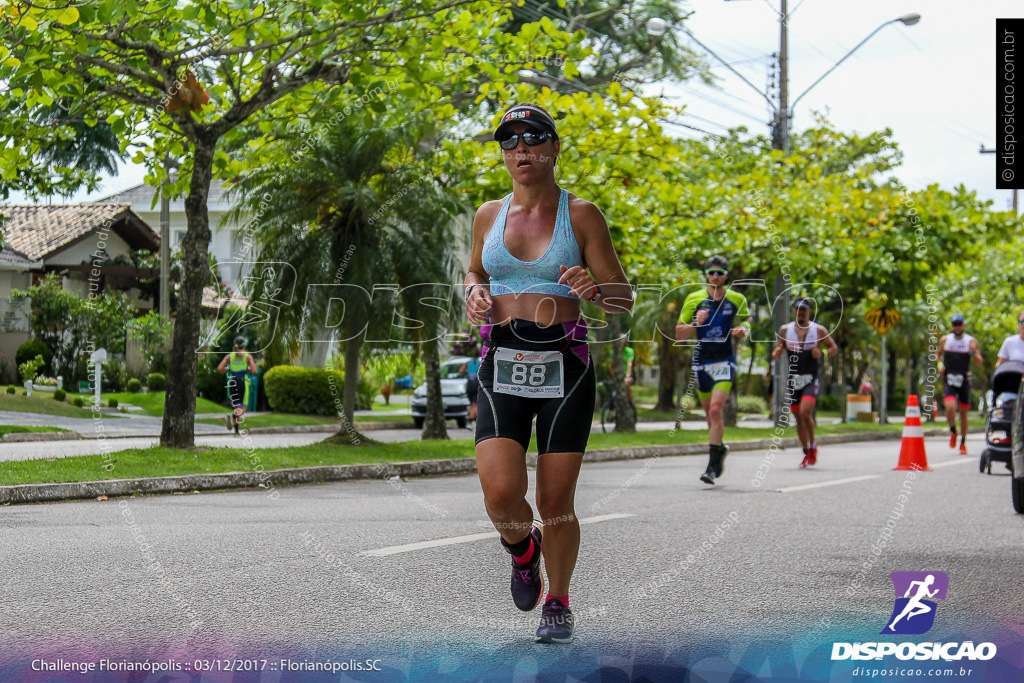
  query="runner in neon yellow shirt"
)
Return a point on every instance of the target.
[
  {"x": 717, "y": 315},
  {"x": 235, "y": 364}
]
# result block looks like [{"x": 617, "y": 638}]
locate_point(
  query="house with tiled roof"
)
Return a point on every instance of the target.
[
  {"x": 77, "y": 240},
  {"x": 227, "y": 242},
  {"x": 15, "y": 272}
]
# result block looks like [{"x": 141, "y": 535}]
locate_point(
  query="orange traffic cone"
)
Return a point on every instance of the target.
[{"x": 912, "y": 455}]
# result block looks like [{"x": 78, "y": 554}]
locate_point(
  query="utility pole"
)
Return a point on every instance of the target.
[
  {"x": 992, "y": 151},
  {"x": 780, "y": 141},
  {"x": 165, "y": 239},
  {"x": 165, "y": 251}
]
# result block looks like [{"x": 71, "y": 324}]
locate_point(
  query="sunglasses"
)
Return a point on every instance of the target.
[
  {"x": 530, "y": 138},
  {"x": 715, "y": 272}
]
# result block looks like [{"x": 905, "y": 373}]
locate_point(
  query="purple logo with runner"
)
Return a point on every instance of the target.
[{"x": 914, "y": 611}]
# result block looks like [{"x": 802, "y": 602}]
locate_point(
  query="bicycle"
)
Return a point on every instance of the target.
[{"x": 608, "y": 408}]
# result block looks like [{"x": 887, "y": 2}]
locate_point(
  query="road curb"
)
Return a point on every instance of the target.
[
  {"x": 39, "y": 493},
  {"x": 15, "y": 437}
]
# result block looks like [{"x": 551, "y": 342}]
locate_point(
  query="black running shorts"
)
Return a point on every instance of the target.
[
  {"x": 236, "y": 389},
  {"x": 563, "y": 424},
  {"x": 960, "y": 394}
]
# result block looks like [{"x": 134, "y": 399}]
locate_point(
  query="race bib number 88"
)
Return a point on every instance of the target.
[{"x": 536, "y": 374}]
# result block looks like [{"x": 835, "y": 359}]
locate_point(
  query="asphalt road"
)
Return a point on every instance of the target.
[{"x": 761, "y": 575}]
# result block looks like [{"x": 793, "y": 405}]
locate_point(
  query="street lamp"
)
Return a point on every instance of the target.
[
  {"x": 906, "y": 20},
  {"x": 782, "y": 114},
  {"x": 656, "y": 27}
]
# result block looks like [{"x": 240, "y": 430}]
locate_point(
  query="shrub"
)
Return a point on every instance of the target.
[
  {"x": 152, "y": 331},
  {"x": 29, "y": 370},
  {"x": 156, "y": 382},
  {"x": 79, "y": 402},
  {"x": 112, "y": 403},
  {"x": 59, "y": 395},
  {"x": 210, "y": 383},
  {"x": 751, "y": 405},
  {"x": 365, "y": 394},
  {"x": 304, "y": 390},
  {"x": 115, "y": 375},
  {"x": 11, "y": 389},
  {"x": 133, "y": 386},
  {"x": 829, "y": 402},
  {"x": 32, "y": 348}
]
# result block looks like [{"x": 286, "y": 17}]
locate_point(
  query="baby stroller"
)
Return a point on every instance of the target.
[{"x": 1002, "y": 398}]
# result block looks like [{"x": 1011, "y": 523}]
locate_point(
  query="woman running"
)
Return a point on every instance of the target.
[
  {"x": 536, "y": 253},
  {"x": 236, "y": 364}
]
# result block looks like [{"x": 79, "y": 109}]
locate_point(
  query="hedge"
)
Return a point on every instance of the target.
[
  {"x": 304, "y": 390},
  {"x": 31, "y": 349},
  {"x": 156, "y": 381}
]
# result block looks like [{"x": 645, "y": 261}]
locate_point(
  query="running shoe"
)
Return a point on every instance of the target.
[
  {"x": 806, "y": 461},
  {"x": 556, "y": 623},
  {"x": 812, "y": 455},
  {"x": 238, "y": 421},
  {"x": 230, "y": 420},
  {"x": 952, "y": 440},
  {"x": 963, "y": 448},
  {"x": 712, "y": 470},
  {"x": 528, "y": 581}
]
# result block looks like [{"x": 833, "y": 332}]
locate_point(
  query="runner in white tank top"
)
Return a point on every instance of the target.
[
  {"x": 956, "y": 351},
  {"x": 801, "y": 340}
]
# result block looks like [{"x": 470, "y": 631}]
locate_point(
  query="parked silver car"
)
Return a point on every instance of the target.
[{"x": 453, "y": 392}]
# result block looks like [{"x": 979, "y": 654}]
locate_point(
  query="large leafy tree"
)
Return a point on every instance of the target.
[
  {"x": 181, "y": 80},
  {"x": 828, "y": 214}
]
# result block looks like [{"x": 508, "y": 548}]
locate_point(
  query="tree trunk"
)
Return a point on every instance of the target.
[
  {"x": 178, "y": 427},
  {"x": 433, "y": 424},
  {"x": 668, "y": 363},
  {"x": 624, "y": 419},
  {"x": 348, "y": 394},
  {"x": 348, "y": 435},
  {"x": 891, "y": 379}
]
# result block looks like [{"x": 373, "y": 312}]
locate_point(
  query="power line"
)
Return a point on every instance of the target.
[{"x": 723, "y": 105}]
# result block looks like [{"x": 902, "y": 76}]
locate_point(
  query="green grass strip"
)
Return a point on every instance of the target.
[
  {"x": 162, "y": 462},
  {"x": 165, "y": 462},
  {"x": 44, "y": 404},
  {"x": 21, "y": 429}
]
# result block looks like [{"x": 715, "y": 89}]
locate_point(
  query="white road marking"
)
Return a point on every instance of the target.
[
  {"x": 408, "y": 547},
  {"x": 834, "y": 482},
  {"x": 958, "y": 461}
]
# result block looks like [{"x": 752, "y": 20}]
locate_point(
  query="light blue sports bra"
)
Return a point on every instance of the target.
[{"x": 509, "y": 275}]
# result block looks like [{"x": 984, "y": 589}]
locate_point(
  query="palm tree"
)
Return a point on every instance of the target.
[
  {"x": 342, "y": 200},
  {"x": 93, "y": 148},
  {"x": 424, "y": 228}
]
